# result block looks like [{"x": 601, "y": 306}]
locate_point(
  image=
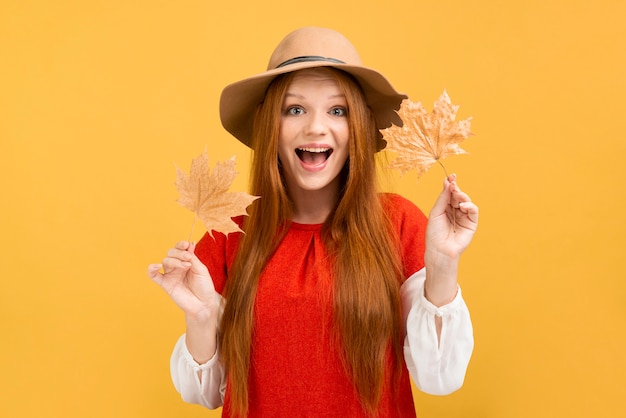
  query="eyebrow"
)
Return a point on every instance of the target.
[{"x": 299, "y": 96}]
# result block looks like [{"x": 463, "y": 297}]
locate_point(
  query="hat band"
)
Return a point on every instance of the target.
[{"x": 309, "y": 58}]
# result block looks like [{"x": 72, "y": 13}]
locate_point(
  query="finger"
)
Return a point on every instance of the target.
[
  {"x": 154, "y": 272},
  {"x": 182, "y": 250},
  {"x": 441, "y": 204},
  {"x": 470, "y": 209},
  {"x": 179, "y": 254},
  {"x": 459, "y": 197},
  {"x": 171, "y": 264},
  {"x": 197, "y": 266},
  {"x": 183, "y": 245},
  {"x": 183, "y": 260}
]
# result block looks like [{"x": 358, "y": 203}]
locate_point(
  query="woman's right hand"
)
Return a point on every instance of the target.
[{"x": 187, "y": 281}]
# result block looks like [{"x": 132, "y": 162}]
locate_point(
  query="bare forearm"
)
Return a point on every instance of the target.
[
  {"x": 451, "y": 226},
  {"x": 201, "y": 338},
  {"x": 441, "y": 284},
  {"x": 441, "y": 279}
]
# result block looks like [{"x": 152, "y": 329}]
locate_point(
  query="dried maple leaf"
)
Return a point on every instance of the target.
[
  {"x": 426, "y": 138},
  {"x": 205, "y": 192}
]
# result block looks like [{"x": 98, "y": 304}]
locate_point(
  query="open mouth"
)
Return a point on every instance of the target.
[{"x": 313, "y": 155}]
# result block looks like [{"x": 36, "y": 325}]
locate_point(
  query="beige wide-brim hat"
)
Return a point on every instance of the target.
[{"x": 308, "y": 47}]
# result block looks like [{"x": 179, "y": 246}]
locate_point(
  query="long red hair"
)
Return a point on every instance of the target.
[{"x": 366, "y": 295}]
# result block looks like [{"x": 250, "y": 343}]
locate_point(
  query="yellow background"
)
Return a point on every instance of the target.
[{"x": 100, "y": 99}]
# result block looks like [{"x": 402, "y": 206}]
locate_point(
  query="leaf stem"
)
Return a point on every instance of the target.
[
  {"x": 453, "y": 210},
  {"x": 195, "y": 217},
  {"x": 444, "y": 168}
]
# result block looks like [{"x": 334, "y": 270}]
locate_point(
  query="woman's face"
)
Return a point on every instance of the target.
[{"x": 313, "y": 137}]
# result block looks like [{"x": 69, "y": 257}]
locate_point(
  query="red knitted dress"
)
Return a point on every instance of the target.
[{"x": 296, "y": 371}]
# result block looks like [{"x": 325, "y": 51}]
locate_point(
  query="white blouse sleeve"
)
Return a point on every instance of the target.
[
  {"x": 203, "y": 384},
  {"x": 437, "y": 367}
]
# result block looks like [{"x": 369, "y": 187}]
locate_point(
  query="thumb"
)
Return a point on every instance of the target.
[
  {"x": 443, "y": 200},
  {"x": 154, "y": 272},
  {"x": 197, "y": 266}
]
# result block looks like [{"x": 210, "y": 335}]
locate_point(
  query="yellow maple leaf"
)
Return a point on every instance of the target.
[
  {"x": 205, "y": 193},
  {"x": 426, "y": 138}
]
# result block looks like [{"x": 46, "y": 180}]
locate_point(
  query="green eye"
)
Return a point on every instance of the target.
[
  {"x": 338, "y": 111},
  {"x": 294, "y": 110}
]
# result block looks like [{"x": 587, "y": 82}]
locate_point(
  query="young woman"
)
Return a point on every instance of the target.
[{"x": 336, "y": 292}]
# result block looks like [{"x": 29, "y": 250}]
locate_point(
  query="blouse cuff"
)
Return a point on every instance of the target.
[
  {"x": 184, "y": 351},
  {"x": 437, "y": 364},
  {"x": 203, "y": 384},
  {"x": 444, "y": 310}
]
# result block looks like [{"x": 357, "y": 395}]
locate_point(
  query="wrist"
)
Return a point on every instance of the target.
[
  {"x": 203, "y": 312},
  {"x": 440, "y": 294},
  {"x": 201, "y": 318},
  {"x": 441, "y": 284},
  {"x": 201, "y": 336},
  {"x": 441, "y": 263}
]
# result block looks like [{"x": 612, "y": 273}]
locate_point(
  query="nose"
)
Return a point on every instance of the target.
[{"x": 315, "y": 124}]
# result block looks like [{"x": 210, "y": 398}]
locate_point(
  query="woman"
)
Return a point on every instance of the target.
[{"x": 335, "y": 293}]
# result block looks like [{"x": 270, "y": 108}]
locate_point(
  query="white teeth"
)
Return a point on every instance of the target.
[{"x": 314, "y": 149}]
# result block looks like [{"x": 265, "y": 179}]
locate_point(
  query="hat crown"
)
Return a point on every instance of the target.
[
  {"x": 308, "y": 47},
  {"x": 314, "y": 44}
]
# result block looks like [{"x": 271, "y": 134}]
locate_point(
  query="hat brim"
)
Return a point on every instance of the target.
[{"x": 239, "y": 100}]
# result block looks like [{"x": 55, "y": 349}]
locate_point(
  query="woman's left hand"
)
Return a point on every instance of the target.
[
  {"x": 452, "y": 222},
  {"x": 451, "y": 226}
]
